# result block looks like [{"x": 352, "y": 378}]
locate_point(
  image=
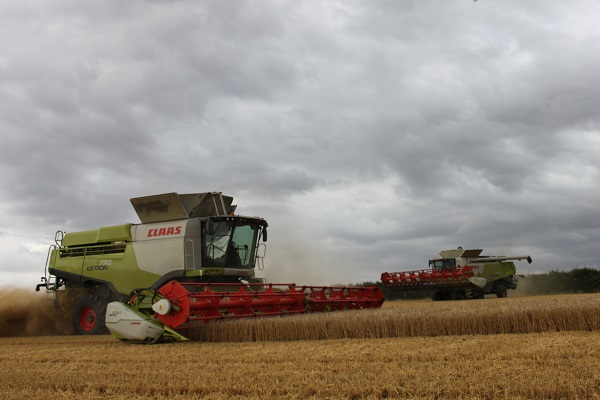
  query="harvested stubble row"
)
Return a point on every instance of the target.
[
  {"x": 558, "y": 365},
  {"x": 550, "y": 365},
  {"x": 423, "y": 318}
]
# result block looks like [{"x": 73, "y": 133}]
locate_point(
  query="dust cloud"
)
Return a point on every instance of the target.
[
  {"x": 525, "y": 288},
  {"x": 24, "y": 312}
]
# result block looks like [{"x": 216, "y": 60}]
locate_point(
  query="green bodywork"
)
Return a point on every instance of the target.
[
  {"x": 497, "y": 270},
  {"x": 109, "y": 256},
  {"x": 193, "y": 237},
  {"x": 105, "y": 255}
]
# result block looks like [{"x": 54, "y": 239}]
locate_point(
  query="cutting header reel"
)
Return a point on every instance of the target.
[{"x": 152, "y": 315}]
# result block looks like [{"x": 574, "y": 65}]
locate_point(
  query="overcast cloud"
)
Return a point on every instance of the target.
[{"x": 370, "y": 134}]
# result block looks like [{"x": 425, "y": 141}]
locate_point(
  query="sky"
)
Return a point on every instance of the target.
[{"x": 370, "y": 134}]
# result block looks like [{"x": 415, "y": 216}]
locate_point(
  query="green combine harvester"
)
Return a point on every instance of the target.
[
  {"x": 460, "y": 274},
  {"x": 191, "y": 259}
]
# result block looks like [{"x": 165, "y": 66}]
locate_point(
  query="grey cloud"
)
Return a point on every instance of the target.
[{"x": 370, "y": 134}]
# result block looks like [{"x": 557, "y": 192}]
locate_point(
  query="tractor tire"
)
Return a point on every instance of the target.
[
  {"x": 501, "y": 291},
  {"x": 441, "y": 295},
  {"x": 459, "y": 294},
  {"x": 88, "y": 316}
]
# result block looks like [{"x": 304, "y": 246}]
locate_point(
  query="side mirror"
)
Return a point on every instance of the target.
[
  {"x": 209, "y": 227},
  {"x": 264, "y": 234}
]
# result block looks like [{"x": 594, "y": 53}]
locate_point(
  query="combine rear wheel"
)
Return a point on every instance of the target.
[
  {"x": 501, "y": 291},
  {"x": 88, "y": 316}
]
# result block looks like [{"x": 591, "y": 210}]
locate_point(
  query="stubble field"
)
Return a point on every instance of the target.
[{"x": 516, "y": 348}]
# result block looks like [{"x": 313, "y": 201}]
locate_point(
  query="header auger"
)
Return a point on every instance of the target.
[
  {"x": 195, "y": 260},
  {"x": 459, "y": 274}
]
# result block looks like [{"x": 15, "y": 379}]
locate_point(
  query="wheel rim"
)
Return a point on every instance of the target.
[{"x": 87, "y": 319}]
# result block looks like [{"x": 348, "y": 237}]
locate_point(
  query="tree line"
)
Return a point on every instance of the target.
[{"x": 576, "y": 280}]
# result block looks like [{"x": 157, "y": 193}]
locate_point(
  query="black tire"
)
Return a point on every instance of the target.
[
  {"x": 459, "y": 294},
  {"x": 441, "y": 295},
  {"x": 477, "y": 294},
  {"x": 88, "y": 316},
  {"x": 501, "y": 291}
]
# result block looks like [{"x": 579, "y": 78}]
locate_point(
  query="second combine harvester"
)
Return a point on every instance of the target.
[
  {"x": 459, "y": 274},
  {"x": 192, "y": 259}
]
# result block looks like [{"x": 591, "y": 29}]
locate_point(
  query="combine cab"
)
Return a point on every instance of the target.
[
  {"x": 192, "y": 255},
  {"x": 459, "y": 274}
]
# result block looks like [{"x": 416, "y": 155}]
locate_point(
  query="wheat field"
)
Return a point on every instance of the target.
[
  {"x": 516, "y": 348},
  {"x": 419, "y": 318},
  {"x": 559, "y": 365}
]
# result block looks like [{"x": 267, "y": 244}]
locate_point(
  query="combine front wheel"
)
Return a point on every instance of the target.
[
  {"x": 88, "y": 316},
  {"x": 459, "y": 294},
  {"x": 501, "y": 291},
  {"x": 441, "y": 295}
]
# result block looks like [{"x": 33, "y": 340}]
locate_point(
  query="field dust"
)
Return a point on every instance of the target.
[{"x": 24, "y": 312}]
